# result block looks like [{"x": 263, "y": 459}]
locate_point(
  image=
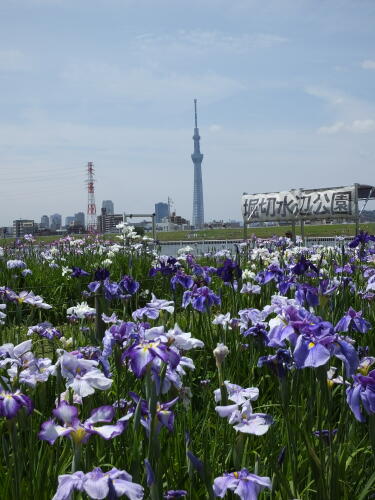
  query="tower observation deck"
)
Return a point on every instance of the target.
[{"x": 197, "y": 157}]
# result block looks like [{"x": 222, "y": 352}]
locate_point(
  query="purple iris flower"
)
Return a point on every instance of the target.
[
  {"x": 128, "y": 285},
  {"x": 259, "y": 331},
  {"x": 202, "y": 298},
  {"x": 165, "y": 417},
  {"x": 94, "y": 286},
  {"x": 111, "y": 289},
  {"x": 362, "y": 391},
  {"x": 347, "y": 268},
  {"x": 244, "y": 484},
  {"x": 361, "y": 239},
  {"x": 16, "y": 264},
  {"x": 12, "y": 402},
  {"x": 45, "y": 330},
  {"x": 167, "y": 267},
  {"x": 169, "y": 495},
  {"x": 317, "y": 347},
  {"x": 153, "y": 308},
  {"x": 101, "y": 274},
  {"x": 77, "y": 272},
  {"x": 307, "y": 295},
  {"x": 250, "y": 288},
  {"x": 326, "y": 435},
  {"x": 203, "y": 272},
  {"x": 93, "y": 353},
  {"x": 79, "y": 431},
  {"x": 327, "y": 287},
  {"x": 82, "y": 375},
  {"x": 353, "y": 321},
  {"x": 180, "y": 278},
  {"x": 304, "y": 265},
  {"x": 229, "y": 271},
  {"x": 285, "y": 284},
  {"x": 143, "y": 354},
  {"x": 273, "y": 272},
  {"x": 98, "y": 485},
  {"x": 119, "y": 334},
  {"x": 278, "y": 363}
]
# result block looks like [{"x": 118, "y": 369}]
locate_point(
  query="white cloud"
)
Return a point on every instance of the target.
[
  {"x": 332, "y": 129},
  {"x": 332, "y": 96},
  {"x": 368, "y": 64},
  {"x": 13, "y": 60},
  {"x": 361, "y": 126}
]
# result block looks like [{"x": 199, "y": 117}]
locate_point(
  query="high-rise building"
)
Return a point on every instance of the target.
[
  {"x": 106, "y": 223},
  {"x": 69, "y": 220},
  {"x": 161, "y": 211},
  {"x": 55, "y": 222},
  {"x": 197, "y": 157},
  {"x": 44, "y": 222},
  {"x": 109, "y": 207},
  {"x": 79, "y": 219},
  {"x": 22, "y": 227}
]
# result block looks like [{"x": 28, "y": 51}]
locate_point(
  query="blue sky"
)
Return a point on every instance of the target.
[{"x": 284, "y": 88}]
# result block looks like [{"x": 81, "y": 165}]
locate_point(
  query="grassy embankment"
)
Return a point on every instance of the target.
[{"x": 237, "y": 233}]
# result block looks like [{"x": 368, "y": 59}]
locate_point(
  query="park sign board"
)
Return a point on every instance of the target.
[{"x": 301, "y": 204}]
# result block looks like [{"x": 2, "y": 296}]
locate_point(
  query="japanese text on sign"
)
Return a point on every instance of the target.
[{"x": 297, "y": 204}]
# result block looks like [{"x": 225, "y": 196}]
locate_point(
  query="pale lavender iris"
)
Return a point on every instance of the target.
[
  {"x": 79, "y": 431},
  {"x": 240, "y": 414},
  {"x": 244, "y": 484},
  {"x": 152, "y": 309},
  {"x": 16, "y": 264},
  {"x": 249, "y": 288},
  {"x": 32, "y": 299},
  {"x": 82, "y": 375},
  {"x": 98, "y": 485}
]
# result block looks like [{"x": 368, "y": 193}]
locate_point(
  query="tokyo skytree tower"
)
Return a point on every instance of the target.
[{"x": 197, "y": 157}]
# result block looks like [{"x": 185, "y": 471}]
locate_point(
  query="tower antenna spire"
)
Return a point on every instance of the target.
[{"x": 195, "y": 112}]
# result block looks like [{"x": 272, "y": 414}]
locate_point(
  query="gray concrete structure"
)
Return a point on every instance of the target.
[
  {"x": 109, "y": 207},
  {"x": 197, "y": 157},
  {"x": 22, "y": 227}
]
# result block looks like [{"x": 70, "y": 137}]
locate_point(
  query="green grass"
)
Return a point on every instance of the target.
[
  {"x": 264, "y": 232},
  {"x": 234, "y": 233}
]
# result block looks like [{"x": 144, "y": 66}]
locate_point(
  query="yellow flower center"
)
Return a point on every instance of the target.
[
  {"x": 311, "y": 345},
  {"x": 78, "y": 435}
]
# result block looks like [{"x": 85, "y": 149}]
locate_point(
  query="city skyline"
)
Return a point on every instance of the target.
[{"x": 285, "y": 93}]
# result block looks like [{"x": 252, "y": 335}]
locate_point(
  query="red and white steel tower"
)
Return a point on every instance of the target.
[{"x": 91, "y": 207}]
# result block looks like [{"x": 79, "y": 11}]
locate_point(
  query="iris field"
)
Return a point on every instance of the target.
[{"x": 129, "y": 374}]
